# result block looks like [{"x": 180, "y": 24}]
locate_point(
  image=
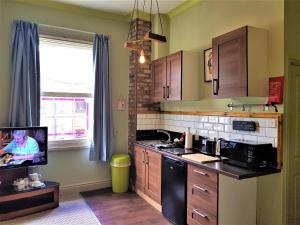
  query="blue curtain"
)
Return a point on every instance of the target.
[
  {"x": 25, "y": 75},
  {"x": 101, "y": 143}
]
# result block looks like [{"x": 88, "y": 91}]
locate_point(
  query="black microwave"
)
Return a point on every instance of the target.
[{"x": 248, "y": 155}]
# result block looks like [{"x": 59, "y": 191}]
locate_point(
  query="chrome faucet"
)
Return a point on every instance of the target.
[{"x": 167, "y": 133}]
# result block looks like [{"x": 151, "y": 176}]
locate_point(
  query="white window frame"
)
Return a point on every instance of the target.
[
  {"x": 82, "y": 143},
  {"x": 56, "y": 33}
]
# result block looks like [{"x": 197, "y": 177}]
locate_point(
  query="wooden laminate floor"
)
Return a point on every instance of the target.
[{"x": 122, "y": 209}]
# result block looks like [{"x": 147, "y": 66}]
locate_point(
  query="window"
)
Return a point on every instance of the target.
[{"x": 67, "y": 84}]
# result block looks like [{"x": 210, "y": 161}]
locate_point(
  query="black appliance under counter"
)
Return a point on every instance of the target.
[{"x": 174, "y": 179}]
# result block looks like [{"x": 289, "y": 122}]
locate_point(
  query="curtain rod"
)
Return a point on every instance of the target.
[
  {"x": 65, "y": 28},
  {"x": 70, "y": 29}
]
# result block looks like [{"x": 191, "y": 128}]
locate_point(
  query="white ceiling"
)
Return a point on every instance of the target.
[{"x": 124, "y": 7}]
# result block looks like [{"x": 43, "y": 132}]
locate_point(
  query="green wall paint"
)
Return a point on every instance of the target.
[
  {"x": 161, "y": 49},
  {"x": 71, "y": 167},
  {"x": 182, "y": 7},
  {"x": 193, "y": 29},
  {"x": 73, "y": 9}
]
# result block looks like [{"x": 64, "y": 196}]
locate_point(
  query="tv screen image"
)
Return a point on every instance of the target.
[{"x": 23, "y": 146}]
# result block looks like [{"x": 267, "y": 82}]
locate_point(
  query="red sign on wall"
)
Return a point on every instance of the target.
[{"x": 276, "y": 90}]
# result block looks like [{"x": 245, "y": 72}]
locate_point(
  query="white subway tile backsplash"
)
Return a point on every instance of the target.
[
  {"x": 156, "y": 121},
  {"x": 208, "y": 126},
  {"x": 224, "y": 120},
  {"x": 163, "y": 116},
  {"x": 173, "y": 117},
  {"x": 228, "y": 128},
  {"x": 159, "y": 127},
  {"x": 267, "y": 122},
  {"x": 190, "y": 118},
  {"x": 213, "y": 134},
  {"x": 213, "y": 119},
  {"x": 224, "y": 135},
  {"x": 139, "y": 116},
  {"x": 203, "y": 133},
  {"x": 218, "y": 127},
  {"x": 236, "y": 136},
  {"x": 189, "y": 124},
  {"x": 179, "y": 117},
  {"x": 149, "y": 127},
  {"x": 211, "y": 126},
  {"x": 203, "y": 119},
  {"x": 266, "y": 140},
  {"x": 271, "y": 132},
  {"x": 250, "y": 138},
  {"x": 200, "y": 125},
  {"x": 142, "y": 121},
  {"x": 272, "y": 123},
  {"x": 261, "y": 131},
  {"x": 193, "y": 131}
]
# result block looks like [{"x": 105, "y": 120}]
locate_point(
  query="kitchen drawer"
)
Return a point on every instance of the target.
[
  {"x": 199, "y": 216},
  {"x": 198, "y": 175},
  {"x": 199, "y": 194}
]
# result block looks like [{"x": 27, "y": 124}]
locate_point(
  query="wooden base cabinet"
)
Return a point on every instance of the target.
[
  {"x": 240, "y": 63},
  {"x": 176, "y": 77},
  {"x": 148, "y": 172},
  {"x": 202, "y": 197}
]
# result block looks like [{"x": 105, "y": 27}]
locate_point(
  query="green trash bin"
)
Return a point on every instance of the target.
[{"x": 120, "y": 164}]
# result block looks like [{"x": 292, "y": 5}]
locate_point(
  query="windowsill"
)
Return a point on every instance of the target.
[{"x": 65, "y": 145}]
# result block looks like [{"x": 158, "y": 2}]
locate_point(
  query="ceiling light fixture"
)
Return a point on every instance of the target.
[{"x": 137, "y": 44}]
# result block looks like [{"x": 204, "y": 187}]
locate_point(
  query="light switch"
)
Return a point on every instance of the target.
[{"x": 121, "y": 105}]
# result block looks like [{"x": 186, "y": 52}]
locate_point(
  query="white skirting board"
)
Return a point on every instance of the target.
[
  {"x": 81, "y": 187},
  {"x": 237, "y": 201}
]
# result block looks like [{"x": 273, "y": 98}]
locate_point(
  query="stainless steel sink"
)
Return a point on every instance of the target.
[{"x": 158, "y": 143}]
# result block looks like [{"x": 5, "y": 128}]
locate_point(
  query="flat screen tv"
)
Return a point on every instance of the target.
[{"x": 23, "y": 146}]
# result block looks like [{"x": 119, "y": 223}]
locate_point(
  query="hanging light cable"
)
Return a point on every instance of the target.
[{"x": 136, "y": 44}]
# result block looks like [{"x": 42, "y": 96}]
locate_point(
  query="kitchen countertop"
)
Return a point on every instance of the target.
[{"x": 216, "y": 166}]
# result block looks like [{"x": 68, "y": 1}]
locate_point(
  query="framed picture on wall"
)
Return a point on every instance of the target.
[{"x": 208, "y": 65}]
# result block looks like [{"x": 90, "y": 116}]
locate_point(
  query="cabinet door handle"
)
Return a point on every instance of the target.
[
  {"x": 144, "y": 157},
  {"x": 199, "y": 172},
  {"x": 147, "y": 158},
  {"x": 164, "y": 92},
  {"x": 215, "y": 86},
  {"x": 168, "y": 91},
  {"x": 199, "y": 213},
  {"x": 199, "y": 188}
]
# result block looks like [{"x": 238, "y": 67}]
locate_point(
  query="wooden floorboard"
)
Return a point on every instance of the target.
[{"x": 122, "y": 209}]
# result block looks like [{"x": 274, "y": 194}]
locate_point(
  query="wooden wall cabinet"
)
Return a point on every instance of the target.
[
  {"x": 176, "y": 77},
  {"x": 148, "y": 172},
  {"x": 202, "y": 197},
  {"x": 240, "y": 63}
]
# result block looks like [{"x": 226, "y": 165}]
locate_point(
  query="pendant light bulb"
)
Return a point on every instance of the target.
[{"x": 142, "y": 58}]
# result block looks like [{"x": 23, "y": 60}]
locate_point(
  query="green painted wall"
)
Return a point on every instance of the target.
[
  {"x": 161, "y": 49},
  {"x": 193, "y": 29},
  {"x": 71, "y": 166}
]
